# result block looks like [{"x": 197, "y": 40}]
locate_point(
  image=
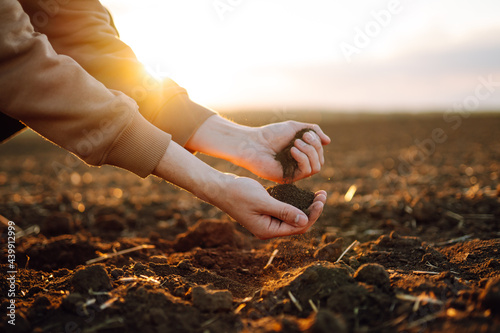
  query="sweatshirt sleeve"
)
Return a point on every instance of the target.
[
  {"x": 55, "y": 97},
  {"x": 82, "y": 29}
]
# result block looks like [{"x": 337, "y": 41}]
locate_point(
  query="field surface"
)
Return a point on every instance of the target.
[{"x": 417, "y": 197}]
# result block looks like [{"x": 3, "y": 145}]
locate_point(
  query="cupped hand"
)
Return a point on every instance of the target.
[
  {"x": 246, "y": 201},
  {"x": 258, "y": 153}
]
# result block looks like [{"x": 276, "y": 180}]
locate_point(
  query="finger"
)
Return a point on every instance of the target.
[
  {"x": 320, "y": 196},
  {"x": 302, "y": 162},
  {"x": 325, "y": 139},
  {"x": 286, "y": 213},
  {"x": 312, "y": 155},
  {"x": 314, "y": 140},
  {"x": 276, "y": 228},
  {"x": 315, "y": 211}
]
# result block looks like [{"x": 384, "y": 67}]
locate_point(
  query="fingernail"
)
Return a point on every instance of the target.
[
  {"x": 301, "y": 221},
  {"x": 308, "y": 136}
]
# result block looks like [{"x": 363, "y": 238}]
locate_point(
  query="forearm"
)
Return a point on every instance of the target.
[
  {"x": 82, "y": 31},
  {"x": 185, "y": 170},
  {"x": 244, "y": 199},
  {"x": 220, "y": 137}
]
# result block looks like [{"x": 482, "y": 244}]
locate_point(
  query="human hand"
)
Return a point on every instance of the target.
[
  {"x": 254, "y": 148},
  {"x": 258, "y": 154},
  {"x": 246, "y": 201}
]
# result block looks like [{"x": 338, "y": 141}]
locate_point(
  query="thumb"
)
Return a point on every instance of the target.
[{"x": 287, "y": 213}]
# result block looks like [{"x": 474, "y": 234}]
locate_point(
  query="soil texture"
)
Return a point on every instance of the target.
[
  {"x": 409, "y": 240},
  {"x": 292, "y": 195}
]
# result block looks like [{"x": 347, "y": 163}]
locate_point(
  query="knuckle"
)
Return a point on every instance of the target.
[{"x": 283, "y": 215}]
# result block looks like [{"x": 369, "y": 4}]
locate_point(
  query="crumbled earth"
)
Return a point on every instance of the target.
[
  {"x": 292, "y": 195},
  {"x": 101, "y": 250},
  {"x": 288, "y": 163}
]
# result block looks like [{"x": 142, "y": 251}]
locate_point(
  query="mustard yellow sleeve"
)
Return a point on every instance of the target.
[
  {"x": 82, "y": 29},
  {"x": 55, "y": 97}
]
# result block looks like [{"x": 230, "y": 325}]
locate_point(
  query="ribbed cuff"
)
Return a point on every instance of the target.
[
  {"x": 181, "y": 117},
  {"x": 139, "y": 148}
]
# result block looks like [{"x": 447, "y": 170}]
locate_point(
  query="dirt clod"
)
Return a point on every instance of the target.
[
  {"x": 373, "y": 274},
  {"x": 58, "y": 223},
  {"x": 93, "y": 278},
  {"x": 210, "y": 233},
  {"x": 292, "y": 195},
  {"x": 326, "y": 321},
  {"x": 211, "y": 300},
  {"x": 330, "y": 251},
  {"x": 490, "y": 297}
]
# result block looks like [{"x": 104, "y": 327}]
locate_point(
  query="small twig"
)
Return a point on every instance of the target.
[
  {"x": 210, "y": 321},
  {"x": 479, "y": 216},
  {"x": 313, "y": 306},
  {"x": 142, "y": 278},
  {"x": 294, "y": 301},
  {"x": 455, "y": 216},
  {"x": 423, "y": 320},
  {"x": 108, "y": 324},
  {"x": 269, "y": 262},
  {"x": 346, "y": 250},
  {"x": 111, "y": 255},
  {"x": 239, "y": 308},
  {"x": 426, "y": 272},
  {"x": 431, "y": 265},
  {"x": 454, "y": 240},
  {"x": 150, "y": 279},
  {"x": 108, "y": 303},
  {"x": 33, "y": 229},
  {"x": 418, "y": 300}
]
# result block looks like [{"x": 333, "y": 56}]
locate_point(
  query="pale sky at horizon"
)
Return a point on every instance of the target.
[{"x": 289, "y": 54}]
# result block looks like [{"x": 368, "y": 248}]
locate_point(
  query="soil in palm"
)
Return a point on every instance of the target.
[
  {"x": 288, "y": 192},
  {"x": 292, "y": 195}
]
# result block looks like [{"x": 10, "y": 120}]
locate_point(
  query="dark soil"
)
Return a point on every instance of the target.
[
  {"x": 288, "y": 163},
  {"x": 426, "y": 218},
  {"x": 288, "y": 192},
  {"x": 292, "y": 195}
]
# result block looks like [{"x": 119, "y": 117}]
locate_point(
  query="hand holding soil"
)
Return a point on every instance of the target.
[
  {"x": 244, "y": 199},
  {"x": 288, "y": 192},
  {"x": 247, "y": 202},
  {"x": 299, "y": 146},
  {"x": 255, "y": 148},
  {"x": 298, "y": 149}
]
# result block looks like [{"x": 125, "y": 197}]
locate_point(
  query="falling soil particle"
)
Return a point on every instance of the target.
[
  {"x": 288, "y": 192},
  {"x": 288, "y": 163},
  {"x": 292, "y": 195}
]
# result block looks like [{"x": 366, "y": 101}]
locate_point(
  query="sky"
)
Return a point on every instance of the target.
[{"x": 361, "y": 55}]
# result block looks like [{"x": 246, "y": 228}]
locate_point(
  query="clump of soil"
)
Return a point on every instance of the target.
[
  {"x": 292, "y": 195},
  {"x": 288, "y": 163},
  {"x": 288, "y": 192}
]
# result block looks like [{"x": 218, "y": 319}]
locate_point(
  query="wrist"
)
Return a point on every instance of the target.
[
  {"x": 222, "y": 138},
  {"x": 213, "y": 187},
  {"x": 181, "y": 168}
]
